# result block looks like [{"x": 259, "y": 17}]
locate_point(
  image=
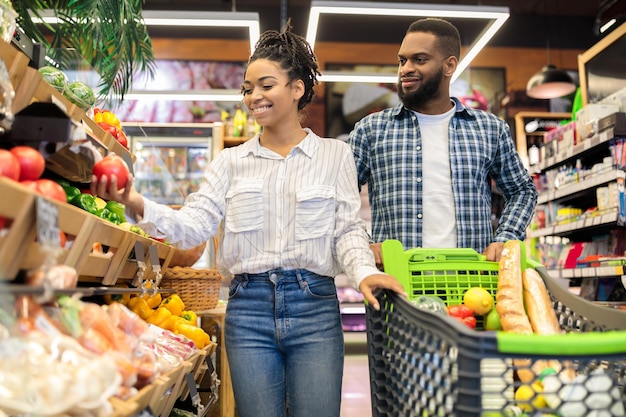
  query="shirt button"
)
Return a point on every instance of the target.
[
  {"x": 418, "y": 148},
  {"x": 419, "y": 216},
  {"x": 419, "y": 179}
]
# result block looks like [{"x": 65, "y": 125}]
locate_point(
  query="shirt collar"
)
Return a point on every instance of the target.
[
  {"x": 307, "y": 146},
  {"x": 459, "y": 108}
]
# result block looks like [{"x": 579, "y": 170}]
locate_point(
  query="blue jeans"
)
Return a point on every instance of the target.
[{"x": 284, "y": 342}]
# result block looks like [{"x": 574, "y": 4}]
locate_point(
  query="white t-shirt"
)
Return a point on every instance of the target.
[{"x": 439, "y": 214}]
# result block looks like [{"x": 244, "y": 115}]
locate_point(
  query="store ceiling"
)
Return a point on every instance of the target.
[{"x": 533, "y": 23}]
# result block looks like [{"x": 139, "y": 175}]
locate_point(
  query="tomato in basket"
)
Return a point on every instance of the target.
[{"x": 464, "y": 314}]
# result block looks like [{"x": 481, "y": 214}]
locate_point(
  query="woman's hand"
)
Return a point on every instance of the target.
[
  {"x": 377, "y": 250},
  {"x": 106, "y": 188},
  {"x": 378, "y": 281}
]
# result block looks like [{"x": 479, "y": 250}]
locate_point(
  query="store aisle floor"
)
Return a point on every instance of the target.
[{"x": 356, "y": 400}]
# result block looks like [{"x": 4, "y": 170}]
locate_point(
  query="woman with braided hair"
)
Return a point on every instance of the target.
[{"x": 286, "y": 202}]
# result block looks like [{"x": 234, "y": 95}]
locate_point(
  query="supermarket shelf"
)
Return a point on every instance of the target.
[
  {"x": 563, "y": 229},
  {"x": 230, "y": 141},
  {"x": 584, "y": 185},
  {"x": 591, "y": 272},
  {"x": 585, "y": 145}
]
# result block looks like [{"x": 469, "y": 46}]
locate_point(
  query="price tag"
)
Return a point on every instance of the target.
[{"x": 48, "y": 233}]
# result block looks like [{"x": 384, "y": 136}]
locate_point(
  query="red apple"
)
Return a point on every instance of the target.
[
  {"x": 32, "y": 162},
  {"x": 9, "y": 165}
]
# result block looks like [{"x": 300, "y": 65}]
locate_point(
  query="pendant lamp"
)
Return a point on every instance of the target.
[{"x": 550, "y": 82}]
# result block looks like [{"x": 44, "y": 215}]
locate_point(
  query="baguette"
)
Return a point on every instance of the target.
[
  {"x": 510, "y": 302},
  {"x": 539, "y": 308},
  {"x": 509, "y": 296},
  {"x": 543, "y": 318}
]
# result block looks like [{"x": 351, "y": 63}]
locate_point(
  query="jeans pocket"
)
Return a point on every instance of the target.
[
  {"x": 234, "y": 287},
  {"x": 315, "y": 212},
  {"x": 321, "y": 288},
  {"x": 244, "y": 207}
]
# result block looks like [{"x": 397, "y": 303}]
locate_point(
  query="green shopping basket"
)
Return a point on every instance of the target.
[{"x": 426, "y": 364}]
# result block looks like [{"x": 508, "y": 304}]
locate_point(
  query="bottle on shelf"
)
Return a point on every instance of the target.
[{"x": 533, "y": 154}]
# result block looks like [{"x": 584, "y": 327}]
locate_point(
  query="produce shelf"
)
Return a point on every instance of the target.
[{"x": 19, "y": 249}]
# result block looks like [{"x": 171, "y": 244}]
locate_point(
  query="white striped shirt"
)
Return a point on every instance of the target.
[{"x": 301, "y": 211}]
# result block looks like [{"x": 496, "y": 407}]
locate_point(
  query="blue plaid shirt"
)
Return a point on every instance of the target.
[{"x": 387, "y": 150}]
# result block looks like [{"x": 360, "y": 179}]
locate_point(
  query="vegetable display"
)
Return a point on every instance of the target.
[
  {"x": 169, "y": 314},
  {"x": 54, "y": 76},
  {"x": 80, "y": 94}
]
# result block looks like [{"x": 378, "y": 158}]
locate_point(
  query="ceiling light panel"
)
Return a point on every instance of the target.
[{"x": 491, "y": 17}]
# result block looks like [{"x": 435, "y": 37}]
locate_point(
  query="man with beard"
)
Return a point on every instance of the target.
[{"x": 429, "y": 161}]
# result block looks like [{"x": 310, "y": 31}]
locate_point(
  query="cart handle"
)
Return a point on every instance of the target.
[{"x": 574, "y": 344}]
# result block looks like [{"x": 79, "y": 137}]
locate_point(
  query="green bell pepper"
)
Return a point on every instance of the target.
[
  {"x": 118, "y": 209},
  {"x": 70, "y": 190},
  {"x": 107, "y": 214},
  {"x": 86, "y": 202}
]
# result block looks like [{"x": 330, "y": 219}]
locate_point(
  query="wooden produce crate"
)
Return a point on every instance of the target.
[
  {"x": 133, "y": 405},
  {"x": 107, "y": 139},
  {"x": 85, "y": 229},
  {"x": 33, "y": 88},
  {"x": 15, "y": 61},
  {"x": 167, "y": 389},
  {"x": 129, "y": 269},
  {"x": 123, "y": 408},
  {"x": 92, "y": 266},
  {"x": 199, "y": 366},
  {"x": 77, "y": 225},
  {"x": 17, "y": 206},
  {"x": 19, "y": 248}
]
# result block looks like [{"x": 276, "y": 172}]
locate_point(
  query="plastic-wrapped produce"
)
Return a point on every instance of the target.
[{"x": 45, "y": 376}]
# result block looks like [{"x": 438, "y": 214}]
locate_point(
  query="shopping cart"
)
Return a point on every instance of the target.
[{"x": 427, "y": 364}]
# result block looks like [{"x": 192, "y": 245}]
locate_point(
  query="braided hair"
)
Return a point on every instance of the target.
[{"x": 295, "y": 56}]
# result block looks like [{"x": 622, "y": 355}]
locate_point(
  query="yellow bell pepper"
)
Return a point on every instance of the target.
[
  {"x": 171, "y": 322},
  {"x": 153, "y": 300},
  {"x": 198, "y": 336},
  {"x": 190, "y": 316},
  {"x": 174, "y": 304},
  {"x": 110, "y": 118},
  {"x": 140, "y": 307},
  {"x": 159, "y": 316}
]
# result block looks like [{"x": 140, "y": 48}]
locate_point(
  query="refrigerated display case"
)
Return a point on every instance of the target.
[{"x": 171, "y": 158}]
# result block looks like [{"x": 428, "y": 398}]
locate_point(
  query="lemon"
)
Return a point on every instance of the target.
[
  {"x": 529, "y": 397},
  {"x": 479, "y": 300}
]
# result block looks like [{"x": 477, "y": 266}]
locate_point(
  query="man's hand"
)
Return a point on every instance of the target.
[
  {"x": 494, "y": 251},
  {"x": 376, "y": 281}
]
